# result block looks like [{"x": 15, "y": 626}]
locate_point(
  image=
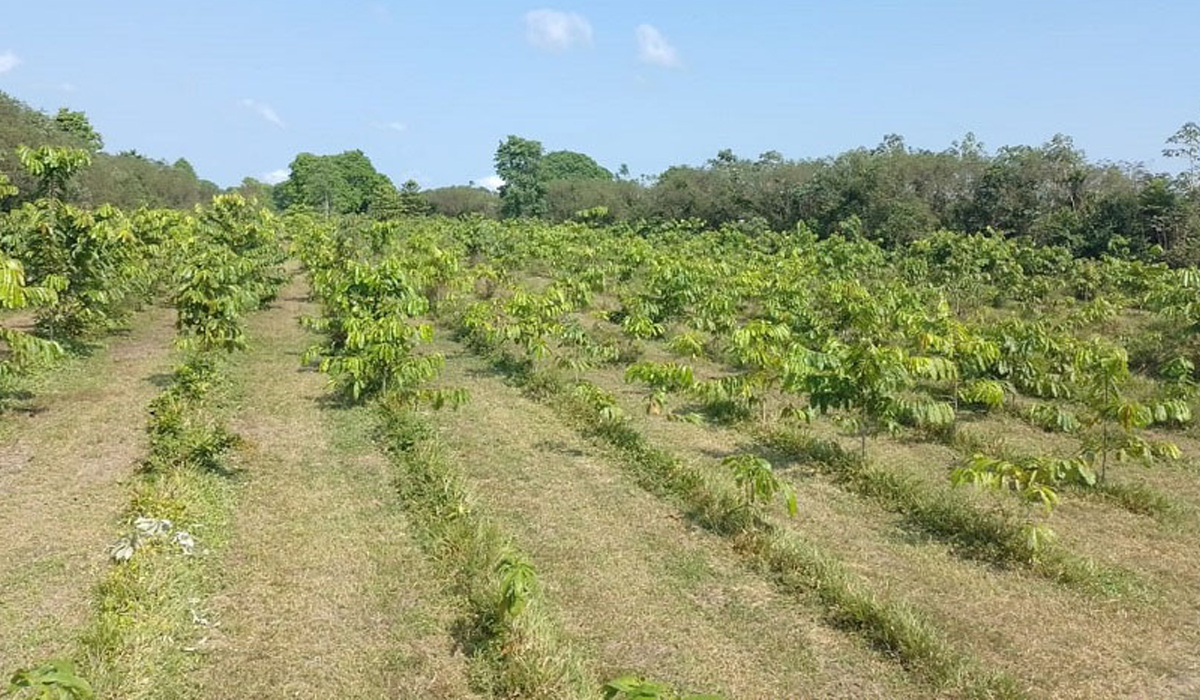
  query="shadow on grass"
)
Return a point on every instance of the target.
[
  {"x": 559, "y": 447},
  {"x": 162, "y": 380}
]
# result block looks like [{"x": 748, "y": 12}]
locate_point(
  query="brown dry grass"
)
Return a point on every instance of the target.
[
  {"x": 324, "y": 592},
  {"x": 63, "y": 457},
  {"x": 637, "y": 587}
]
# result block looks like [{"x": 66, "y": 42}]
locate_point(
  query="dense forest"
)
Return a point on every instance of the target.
[
  {"x": 126, "y": 179},
  {"x": 1050, "y": 194}
]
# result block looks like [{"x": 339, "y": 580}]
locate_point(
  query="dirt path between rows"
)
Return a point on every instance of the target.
[
  {"x": 63, "y": 460},
  {"x": 636, "y": 586},
  {"x": 324, "y": 591}
]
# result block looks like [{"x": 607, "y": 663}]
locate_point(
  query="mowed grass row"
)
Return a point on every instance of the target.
[
  {"x": 324, "y": 590},
  {"x": 982, "y": 607},
  {"x": 287, "y": 569},
  {"x": 149, "y": 606},
  {"x": 65, "y": 455},
  {"x": 795, "y": 563},
  {"x": 912, "y": 479},
  {"x": 639, "y": 588}
]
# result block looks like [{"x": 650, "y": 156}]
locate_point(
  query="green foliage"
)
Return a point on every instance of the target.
[
  {"x": 631, "y": 687},
  {"x": 7, "y": 189},
  {"x": 757, "y": 482},
  {"x": 23, "y": 350},
  {"x": 663, "y": 379},
  {"x": 988, "y": 393},
  {"x": 603, "y": 403},
  {"x": 52, "y": 166},
  {"x": 372, "y": 314},
  {"x": 96, "y": 261},
  {"x": 462, "y": 200},
  {"x": 1033, "y": 478},
  {"x": 1185, "y": 144},
  {"x": 76, "y": 124},
  {"x": 346, "y": 183},
  {"x": 517, "y": 584},
  {"x": 518, "y": 163},
  {"x": 1053, "y": 418},
  {"x": 892, "y": 193},
  {"x": 569, "y": 165},
  {"x": 53, "y": 680},
  {"x": 231, "y": 266}
]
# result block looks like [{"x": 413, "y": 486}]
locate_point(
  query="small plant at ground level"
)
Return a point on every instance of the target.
[
  {"x": 517, "y": 582},
  {"x": 663, "y": 379},
  {"x": 601, "y": 401},
  {"x": 53, "y": 680},
  {"x": 757, "y": 482},
  {"x": 147, "y": 530},
  {"x": 630, "y": 687}
]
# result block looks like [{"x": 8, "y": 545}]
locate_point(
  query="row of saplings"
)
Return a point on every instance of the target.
[{"x": 215, "y": 266}]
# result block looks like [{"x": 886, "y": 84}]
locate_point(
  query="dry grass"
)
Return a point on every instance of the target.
[
  {"x": 638, "y": 587},
  {"x": 324, "y": 592},
  {"x": 63, "y": 457},
  {"x": 1055, "y": 642}
]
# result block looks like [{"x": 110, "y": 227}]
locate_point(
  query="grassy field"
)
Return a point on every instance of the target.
[{"x": 556, "y": 531}]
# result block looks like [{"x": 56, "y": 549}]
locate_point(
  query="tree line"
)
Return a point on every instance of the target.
[
  {"x": 127, "y": 179},
  {"x": 1050, "y": 194}
]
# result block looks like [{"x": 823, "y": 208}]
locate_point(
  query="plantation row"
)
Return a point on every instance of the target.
[
  {"x": 833, "y": 353},
  {"x": 71, "y": 275},
  {"x": 792, "y": 329},
  {"x": 775, "y": 337}
]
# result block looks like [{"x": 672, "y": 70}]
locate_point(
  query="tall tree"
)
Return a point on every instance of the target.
[
  {"x": 569, "y": 165},
  {"x": 345, "y": 183},
  {"x": 411, "y": 199},
  {"x": 1185, "y": 144},
  {"x": 77, "y": 125},
  {"x": 518, "y": 163}
]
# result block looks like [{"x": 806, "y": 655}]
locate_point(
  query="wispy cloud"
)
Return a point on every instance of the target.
[
  {"x": 380, "y": 10},
  {"x": 398, "y": 127},
  {"x": 653, "y": 47},
  {"x": 265, "y": 111},
  {"x": 8, "y": 61},
  {"x": 554, "y": 30},
  {"x": 66, "y": 87},
  {"x": 491, "y": 182},
  {"x": 275, "y": 176}
]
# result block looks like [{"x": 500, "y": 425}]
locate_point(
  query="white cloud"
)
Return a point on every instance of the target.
[
  {"x": 654, "y": 48},
  {"x": 275, "y": 176},
  {"x": 265, "y": 111},
  {"x": 491, "y": 182},
  {"x": 398, "y": 127},
  {"x": 8, "y": 61},
  {"x": 66, "y": 87},
  {"x": 554, "y": 30}
]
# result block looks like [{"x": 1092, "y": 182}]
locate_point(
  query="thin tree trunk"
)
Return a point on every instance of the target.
[{"x": 862, "y": 438}]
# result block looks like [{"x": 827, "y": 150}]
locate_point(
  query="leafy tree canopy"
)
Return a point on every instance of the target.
[
  {"x": 518, "y": 163},
  {"x": 346, "y": 183},
  {"x": 569, "y": 165},
  {"x": 77, "y": 125}
]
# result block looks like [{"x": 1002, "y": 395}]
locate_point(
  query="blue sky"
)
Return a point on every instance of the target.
[{"x": 427, "y": 90}]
